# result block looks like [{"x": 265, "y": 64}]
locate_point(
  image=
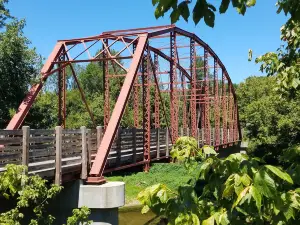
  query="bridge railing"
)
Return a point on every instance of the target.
[
  {"x": 64, "y": 153},
  {"x": 61, "y": 152}
]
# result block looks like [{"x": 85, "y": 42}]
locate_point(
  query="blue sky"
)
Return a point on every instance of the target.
[{"x": 231, "y": 38}]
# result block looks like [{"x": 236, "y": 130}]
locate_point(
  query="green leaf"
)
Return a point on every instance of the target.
[
  {"x": 288, "y": 213},
  {"x": 209, "y": 221},
  {"x": 184, "y": 10},
  {"x": 264, "y": 184},
  {"x": 237, "y": 180},
  {"x": 250, "y": 55},
  {"x": 256, "y": 196},
  {"x": 162, "y": 194},
  {"x": 209, "y": 150},
  {"x": 154, "y": 2},
  {"x": 198, "y": 11},
  {"x": 209, "y": 18},
  {"x": 251, "y": 3},
  {"x": 224, "y": 6},
  {"x": 145, "y": 209},
  {"x": 241, "y": 9},
  {"x": 195, "y": 219},
  {"x": 283, "y": 175},
  {"x": 245, "y": 179},
  {"x": 228, "y": 191},
  {"x": 240, "y": 196},
  {"x": 158, "y": 12},
  {"x": 175, "y": 16}
]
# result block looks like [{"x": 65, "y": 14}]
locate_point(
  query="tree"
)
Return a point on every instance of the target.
[
  {"x": 201, "y": 9},
  {"x": 34, "y": 194},
  {"x": 271, "y": 123},
  {"x": 236, "y": 190},
  {"x": 18, "y": 68},
  {"x": 4, "y": 13}
]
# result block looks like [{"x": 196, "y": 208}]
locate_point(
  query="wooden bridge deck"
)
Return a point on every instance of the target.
[
  {"x": 52, "y": 153},
  {"x": 64, "y": 154}
]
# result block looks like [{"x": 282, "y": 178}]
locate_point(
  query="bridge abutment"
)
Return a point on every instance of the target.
[{"x": 103, "y": 200}]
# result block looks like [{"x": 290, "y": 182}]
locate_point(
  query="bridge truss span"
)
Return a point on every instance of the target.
[{"x": 166, "y": 76}]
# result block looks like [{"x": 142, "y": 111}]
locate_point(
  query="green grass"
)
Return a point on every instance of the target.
[{"x": 171, "y": 174}]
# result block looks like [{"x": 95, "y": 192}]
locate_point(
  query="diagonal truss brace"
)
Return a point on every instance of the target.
[{"x": 97, "y": 169}]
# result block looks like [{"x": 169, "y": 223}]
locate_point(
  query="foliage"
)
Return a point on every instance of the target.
[
  {"x": 4, "y": 13},
  {"x": 18, "y": 66},
  {"x": 235, "y": 190},
  {"x": 285, "y": 62},
  {"x": 271, "y": 123},
  {"x": 32, "y": 193},
  {"x": 201, "y": 9},
  {"x": 80, "y": 216},
  {"x": 159, "y": 173}
]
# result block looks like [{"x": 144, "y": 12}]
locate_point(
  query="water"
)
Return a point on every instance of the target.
[{"x": 133, "y": 216}]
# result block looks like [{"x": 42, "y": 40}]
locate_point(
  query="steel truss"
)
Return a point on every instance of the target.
[{"x": 191, "y": 87}]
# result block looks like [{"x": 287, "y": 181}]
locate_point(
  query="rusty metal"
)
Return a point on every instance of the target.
[
  {"x": 224, "y": 108},
  {"x": 173, "y": 87},
  {"x": 173, "y": 77},
  {"x": 146, "y": 108},
  {"x": 110, "y": 133},
  {"x": 61, "y": 93},
  {"x": 136, "y": 118},
  {"x": 216, "y": 104},
  {"x": 194, "y": 124},
  {"x": 206, "y": 105},
  {"x": 106, "y": 85},
  {"x": 156, "y": 100}
]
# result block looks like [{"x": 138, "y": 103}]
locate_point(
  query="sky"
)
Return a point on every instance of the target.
[{"x": 231, "y": 38}]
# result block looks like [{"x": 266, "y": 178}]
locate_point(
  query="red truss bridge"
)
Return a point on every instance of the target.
[{"x": 168, "y": 76}]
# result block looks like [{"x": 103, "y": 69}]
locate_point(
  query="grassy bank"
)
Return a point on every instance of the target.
[{"x": 171, "y": 174}]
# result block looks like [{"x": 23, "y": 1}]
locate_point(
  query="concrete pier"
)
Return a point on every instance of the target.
[{"x": 103, "y": 200}]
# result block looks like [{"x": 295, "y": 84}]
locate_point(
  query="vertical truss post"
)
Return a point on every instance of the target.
[
  {"x": 194, "y": 124},
  {"x": 62, "y": 94},
  {"x": 235, "y": 127},
  {"x": 231, "y": 112},
  {"x": 184, "y": 106},
  {"x": 217, "y": 106},
  {"x": 224, "y": 108},
  {"x": 207, "y": 100},
  {"x": 173, "y": 81},
  {"x": 157, "y": 102},
  {"x": 136, "y": 97},
  {"x": 146, "y": 107},
  {"x": 106, "y": 86}
]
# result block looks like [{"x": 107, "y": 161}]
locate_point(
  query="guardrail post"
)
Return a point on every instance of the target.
[
  {"x": 181, "y": 131},
  {"x": 134, "y": 145},
  {"x": 89, "y": 148},
  {"x": 58, "y": 154},
  {"x": 167, "y": 142},
  {"x": 221, "y": 135},
  {"x": 119, "y": 147},
  {"x": 198, "y": 137},
  {"x": 83, "y": 153},
  {"x": 99, "y": 136},
  {"x": 228, "y": 136},
  {"x": 157, "y": 143},
  {"x": 213, "y": 137},
  {"x": 25, "y": 146},
  {"x": 187, "y": 131}
]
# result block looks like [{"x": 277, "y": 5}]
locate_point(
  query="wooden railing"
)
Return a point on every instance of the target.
[
  {"x": 61, "y": 153},
  {"x": 58, "y": 153}
]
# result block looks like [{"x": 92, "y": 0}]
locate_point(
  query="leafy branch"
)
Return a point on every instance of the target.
[{"x": 235, "y": 190}]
